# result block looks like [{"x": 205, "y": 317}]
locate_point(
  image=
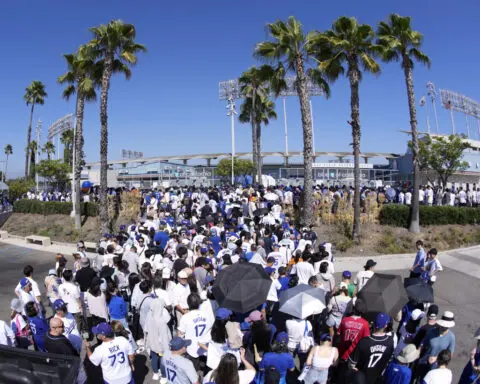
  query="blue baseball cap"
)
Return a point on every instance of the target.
[
  {"x": 178, "y": 343},
  {"x": 382, "y": 320},
  {"x": 347, "y": 274},
  {"x": 102, "y": 329},
  {"x": 223, "y": 313},
  {"x": 282, "y": 337},
  {"x": 122, "y": 227},
  {"x": 24, "y": 282},
  {"x": 59, "y": 304}
]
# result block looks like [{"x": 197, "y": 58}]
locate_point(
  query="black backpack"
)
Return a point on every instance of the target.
[{"x": 137, "y": 330}]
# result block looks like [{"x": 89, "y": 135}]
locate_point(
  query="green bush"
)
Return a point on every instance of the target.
[
  {"x": 52, "y": 207},
  {"x": 399, "y": 215}
]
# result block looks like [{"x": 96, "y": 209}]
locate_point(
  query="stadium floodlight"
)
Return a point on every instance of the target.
[
  {"x": 457, "y": 102},
  {"x": 37, "y": 155},
  {"x": 432, "y": 92},
  {"x": 59, "y": 126},
  {"x": 232, "y": 112}
]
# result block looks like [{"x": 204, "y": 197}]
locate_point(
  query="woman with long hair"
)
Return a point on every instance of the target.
[
  {"x": 320, "y": 359},
  {"x": 227, "y": 371},
  {"x": 96, "y": 302},
  {"x": 260, "y": 334}
]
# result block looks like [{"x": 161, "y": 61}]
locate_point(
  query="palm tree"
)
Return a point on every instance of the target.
[
  {"x": 351, "y": 44},
  {"x": 254, "y": 84},
  {"x": 8, "y": 150},
  {"x": 399, "y": 42},
  {"x": 295, "y": 51},
  {"x": 33, "y": 156},
  {"x": 34, "y": 94},
  {"x": 82, "y": 77},
  {"x": 49, "y": 149},
  {"x": 114, "y": 44},
  {"x": 67, "y": 140},
  {"x": 264, "y": 111}
]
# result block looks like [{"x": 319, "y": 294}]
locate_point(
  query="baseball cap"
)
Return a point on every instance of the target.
[
  {"x": 282, "y": 337},
  {"x": 254, "y": 316},
  {"x": 52, "y": 272},
  {"x": 432, "y": 311},
  {"x": 370, "y": 263},
  {"x": 223, "y": 313},
  {"x": 182, "y": 275},
  {"x": 59, "y": 304},
  {"x": 417, "y": 314},
  {"x": 382, "y": 320},
  {"x": 24, "y": 282},
  {"x": 178, "y": 343},
  {"x": 102, "y": 329},
  {"x": 347, "y": 274},
  {"x": 270, "y": 259}
]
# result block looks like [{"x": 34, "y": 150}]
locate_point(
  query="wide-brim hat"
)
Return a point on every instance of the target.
[
  {"x": 447, "y": 320},
  {"x": 408, "y": 354}
]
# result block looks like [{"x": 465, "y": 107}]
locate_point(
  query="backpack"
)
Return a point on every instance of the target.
[
  {"x": 137, "y": 330},
  {"x": 306, "y": 342}
]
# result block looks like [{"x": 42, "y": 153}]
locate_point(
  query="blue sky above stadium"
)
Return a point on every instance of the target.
[{"x": 171, "y": 105}]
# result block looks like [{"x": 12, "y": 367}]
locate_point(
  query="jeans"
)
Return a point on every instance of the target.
[{"x": 156, "y": 361}]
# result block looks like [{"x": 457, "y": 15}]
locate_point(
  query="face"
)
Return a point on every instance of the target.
[{"x": 57, "y": 329}]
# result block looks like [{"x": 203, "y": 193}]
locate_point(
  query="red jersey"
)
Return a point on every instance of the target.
[{"x": 352, "y": 329}]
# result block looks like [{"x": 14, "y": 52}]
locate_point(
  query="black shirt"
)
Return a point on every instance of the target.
[
  {"x": 59, "y": 344},
  {"x": 84, "y": 278},
  {"x": 422, "y": 332},
  {"x": 178, "y": 265},
  {"x": 371, "y": 356}
]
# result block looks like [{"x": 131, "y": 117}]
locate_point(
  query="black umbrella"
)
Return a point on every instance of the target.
[
  {"x": 260, "y": 212},
  {"x": 241, "y": 287},
  {"x": 418, "y": 290},
  {"x": 383, "y": 293}
]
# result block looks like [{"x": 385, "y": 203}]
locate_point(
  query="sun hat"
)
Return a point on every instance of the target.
[
  {"x": 408, "y": 354},
  {"x": 417, "y": 314},
  {"x": 102, "y": 329},
  {"x": 178, "y": 343},
  {"x": 24, "y": 282},
  {"x": 447, "y": 320},
  {"x": 182, "y": 274},
  {"x": 382, "y": 320},
  {"x": 254, "y": 316},
  {"x": 223, "y": 313}
]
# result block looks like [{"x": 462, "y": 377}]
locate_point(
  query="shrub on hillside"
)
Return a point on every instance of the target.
[{"x": 52, "y": 207}]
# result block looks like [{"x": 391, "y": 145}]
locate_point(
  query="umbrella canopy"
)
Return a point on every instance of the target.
[
  {"x": 418, "y": 290},
  {"x": 302, "y": 301},
  {"x": 260, "y": 212},
  {"x": 271, "y": 196},
  {"x": 241, "y": 287},
  {"x": 383, "y": 293}
]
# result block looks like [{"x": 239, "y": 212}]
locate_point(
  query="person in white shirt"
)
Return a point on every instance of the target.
[
  {"x": 227, "y": 370},
  {"x": 280, "y": 258},
  {"x": 181, "y": 291},
  {"x": 296, "y": 329},
  {"x": 462, "y": 197},
  {"x": 25, "y": 293},
  {"x": 363, "y": 276},
  {"x": 429, "y": 195},
  {"x": 304, "y": 270},
  {"x": 35, "y": 292},
  {"x": 401, "y": 197},
  {"x": 70, "y": 294},
  {"x": 70, "y": 329},
  {"x": 421, "y": 195},
  {"x": 115, "y": 355},
  {"x": 6, "y": 335},
  {"x": 440, "y": 375},
  {"x": 408, "y": 198},
  {"x": 195, "y": 325}
]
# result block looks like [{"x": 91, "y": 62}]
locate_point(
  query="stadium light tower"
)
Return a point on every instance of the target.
[
  {"x": 38, "y": 130},
  {"x": 232, "y": 112},
  {"x": 433, "y": 95}
]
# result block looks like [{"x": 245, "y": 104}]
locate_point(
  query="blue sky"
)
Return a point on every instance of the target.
[{"x": 171, "y": 105}]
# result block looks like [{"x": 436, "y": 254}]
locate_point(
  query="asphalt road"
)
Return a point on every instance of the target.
[{"x": 454, "y": 291}]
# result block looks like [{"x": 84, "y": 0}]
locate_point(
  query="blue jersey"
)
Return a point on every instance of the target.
[{"x": 39, "y": 328}]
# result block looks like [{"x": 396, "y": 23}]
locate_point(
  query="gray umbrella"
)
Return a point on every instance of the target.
[{"x": 302, "y": 301}]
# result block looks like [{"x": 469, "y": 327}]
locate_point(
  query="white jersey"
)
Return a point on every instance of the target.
[
  {"x": 113, "y": 358},
  {"x": 70, "y": 294},
  {"x": 280, "y": 259},
  {"x": 70, "y": 330},
  {"x": 178, "y": 369},
  {"x": 362, "y": 278},
  {"x": 196, "y": 326},
  {"x": 408, "y": 198}
]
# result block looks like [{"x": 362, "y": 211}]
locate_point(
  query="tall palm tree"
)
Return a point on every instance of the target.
[
  {"x": 291, "y": 47},
  {"x": 114, "y": 44},
  {"x": 49, "y": 149},
  {"x": 351, "y": 44},
  {"x": 264, "y": 111},
  {"x": 33, "y": 157},
  {"x": 34, "y": 94},
  {"x": 82, "y": 77},
  {"x": 8, "y": 150},
  {"x": 67, "y": 140},
  {"x": 399, "y": 42}
]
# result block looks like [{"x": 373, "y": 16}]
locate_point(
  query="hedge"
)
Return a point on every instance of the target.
[
  {"x": 52, "y": 207},
  {"x": 399, "y": 215}
]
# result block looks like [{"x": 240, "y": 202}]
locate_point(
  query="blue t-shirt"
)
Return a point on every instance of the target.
[
  {"x": 420, "y": 260},
  {"x": 433, "y": 343},
  {"x": 162, "y": 238},
  {"x": 284, "y": 283},
  {"x": 281, "y": 361},
  {"x": 398, "y": 374},
  {"x": 118, "y": 308}
]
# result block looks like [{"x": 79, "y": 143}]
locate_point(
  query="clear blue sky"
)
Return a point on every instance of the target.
[{"x": 171, "y": 104}]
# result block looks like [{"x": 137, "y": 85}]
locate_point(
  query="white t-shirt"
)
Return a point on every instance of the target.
[
  {"x": 97, "y": 305},
  {"x": 35, "y": 290},
  {"x": 280, "y": 259},
  {"x": 304, "y": 271},
  {"x": 408, "y": 198},
  {"x": 362, "y": 278},
  {"x": 246, "y": 376},
  {"x": 296, "y": 330},
  {"x": 26, "y": 297},
  {"x": 180, "y": 295},
  {"x": 438, "y": 376},
  {"x": 196, "y": 326},
  {"x": 113, "y": 358},
  {"x": 6, "y": 334},
  {"x": 162, "y": 294},
  {"x": 70, "y": 294}
]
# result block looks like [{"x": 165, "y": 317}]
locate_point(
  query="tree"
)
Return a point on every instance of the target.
[
  {"x": 351, "y": 44},
  {"x": 294, "y": 50},
  {"x": 18, "y": 187},
  {"x": 33, "y": 159},
  {"x": 442, "y": 155},
  {"x": 8, "y": 150},
  {"x": 241, "y": 167},
  {"x": 67, "y": 140},
  {"x": 34, "y": 94},
  {"x": 255, "y": 85},
  {"x": 399, "y": 42},
  {"x": 49, "y": 149},
  {"x": 114, "y": 44},
  {"x": 55, "y": 171},
  {"x": 82, "y": 77}
]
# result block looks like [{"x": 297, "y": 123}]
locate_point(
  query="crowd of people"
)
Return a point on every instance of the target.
[{"x": 153, "y": 288}]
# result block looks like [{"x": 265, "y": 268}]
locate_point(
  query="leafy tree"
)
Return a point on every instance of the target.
[
  {"x": 114, "y": 45},
  {"x": 82, "y": 77},
  {"x": 442, "y": 155},
  {"x": 67, "y": 141},
  {"x": 241, "y": 167},
  {"x": 8, "y": 150},
  {"x": 55, "y": 171},
  {"x": 34, "y": 94},
  {"x": 291, "y": 48},
  {"x": 399, "y": 42},
  {"x": 18, "y": 187},
  {"x": 351, "y": 44},
  {"x": 49, "y": 149}
]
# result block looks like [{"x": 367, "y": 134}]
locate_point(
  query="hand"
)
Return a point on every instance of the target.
[
  {"x": 85, "y": 342},
  {"x": 242, "y": 353}
]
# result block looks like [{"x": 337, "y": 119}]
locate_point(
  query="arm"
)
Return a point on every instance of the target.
[
  {"x": 245, "y": 361},
  {"x": 310, "y": 356},
  {"x": 132, "y": 360}
]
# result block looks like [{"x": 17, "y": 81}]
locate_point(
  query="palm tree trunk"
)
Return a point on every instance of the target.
[
  {"x": 415, "y": 218},
  {"x": 254, "y": 149},
  {"x": 306, "y": 209},
  {"x": 6, "y": 167},
  {"x": 354, "y": 77},
  {"x": 259, "y": 153},
  {"x": 29, "y": 137},
  {"x": 78, "y": 142}
]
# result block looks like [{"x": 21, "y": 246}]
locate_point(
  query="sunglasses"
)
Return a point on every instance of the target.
[{"x": 60, "y": 326}]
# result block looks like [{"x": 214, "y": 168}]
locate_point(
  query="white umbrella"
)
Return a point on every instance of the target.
[
  {"x": 302, "y": 301},
  {"x": 271, "y": 196}
]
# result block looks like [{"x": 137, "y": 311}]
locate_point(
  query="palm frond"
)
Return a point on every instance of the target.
[{"x": 420, "y": 57}]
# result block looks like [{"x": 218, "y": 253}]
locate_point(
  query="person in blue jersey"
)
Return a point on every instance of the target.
[
  {"x": 38, "y": 325},
  {"x": 279, "y": 357},
  {"x": 398, "y": 371}
]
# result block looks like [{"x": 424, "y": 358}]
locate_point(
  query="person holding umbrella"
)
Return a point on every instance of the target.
[{"x": 417, "y": 267}]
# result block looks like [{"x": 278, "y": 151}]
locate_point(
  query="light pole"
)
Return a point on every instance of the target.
[
  {"x": 433, "y": 94},
  {"x": 74, "y": 170},
  {"x": 232, "y": 112},
  {"x": 286, "y": 128},
  {"x": 37, "y": 155}
]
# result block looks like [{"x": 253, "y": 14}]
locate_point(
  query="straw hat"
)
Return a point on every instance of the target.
[{"x": 409, "y": 354}]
